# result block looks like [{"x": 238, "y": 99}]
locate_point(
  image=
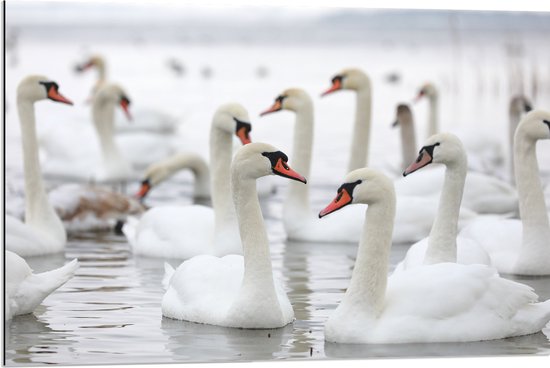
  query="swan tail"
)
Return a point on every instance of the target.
[
  {"x": 37, "y": 287},
  {"x": 535, "y": 317},
  {"x": 51, "y": 280},
  {"x": 168, "y": 273}
]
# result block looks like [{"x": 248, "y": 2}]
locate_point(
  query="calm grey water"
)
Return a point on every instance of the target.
[{"x": 110, "y": 312}]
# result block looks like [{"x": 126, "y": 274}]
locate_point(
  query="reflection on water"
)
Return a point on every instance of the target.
[
  {"x": 110, "y": 312},
  {"x": 531, "y": 344}
]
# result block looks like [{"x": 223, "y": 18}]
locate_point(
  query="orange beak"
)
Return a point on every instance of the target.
[
  {"x": 424, "y": 159},
  {"x": 81, "y": 68},
  {"x": 143, "y": 190},
  {"x": 244, "y": 136},
  {"x": 277, "y": 106},
  {"x": 124, "y": 104},
  {"x": 419, "y": 96},
  {"x": 54, "y": 95},
  {"x": 342, "y": 199},
  {"x": 282, "y": 169},
  {"x": 336, "y": 85}
]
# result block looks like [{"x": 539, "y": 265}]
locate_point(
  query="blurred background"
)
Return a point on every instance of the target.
[
  {"x": 180, "y": 61},
  {"x": 185, "y": 59}
]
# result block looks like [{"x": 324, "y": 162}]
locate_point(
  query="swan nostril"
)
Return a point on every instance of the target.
[{"x": 419, "y": 158}]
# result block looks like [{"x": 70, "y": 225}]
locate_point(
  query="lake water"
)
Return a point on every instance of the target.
[{"x": 110, "y": 311}]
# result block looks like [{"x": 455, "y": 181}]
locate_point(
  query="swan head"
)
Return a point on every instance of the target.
[
  {"x": 38, "y": 87},
  {"x": 292, "y": 99},
  {"x": 519, "y": 104},
  {"x": 404, "y": 115},
  {"x": 366, "y": 185},
  {"x": 350, "y": 78},
  {"x": 94, "y": 61},
  {"x": 113, "y": 94},
  {"x": 443, "y": 148},
  {"x": 256, "y": 160},
  {"x": 233, "y": 119},
  {"x": 427, "y": 90},
  {"x": 535, "y": 125}
]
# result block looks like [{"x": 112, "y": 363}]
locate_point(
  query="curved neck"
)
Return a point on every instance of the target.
[
  {"x": 221, "y": 149},
  {"x": 369, "y": 278},
  {"x": 433, "y": 123},
  {"x": 193, "y": 162},
  {"x": 296, "y": 206},
  {"x": 408, "y": 141},
  {"x": 361, "y": 130},
  {"x": 258, "y": 274},
  {"x": 38, "y": 211},
  {"x": 442, "y": 238},
  {"x": 532, "y": 208}
]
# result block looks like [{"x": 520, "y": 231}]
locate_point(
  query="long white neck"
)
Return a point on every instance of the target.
[
  {"x": 296, "y": 207},
  {"x": 221, "y": 149},
  {"x": 103, "y": 117},
  {"x": 257, "y": 284},
  {"x": 101, "y": 73},
  {"x": 514, "y": 118},
  {"x": 39, "y": 214},
  {"x": 433, "y": 123},
  {"x": 408, "y": 142},
  {"x": 442, "y": 238},
  {"x": 532, "y": 208},
  {"x": 361, "y": 130},
  {"x": 369, "y": 278}
]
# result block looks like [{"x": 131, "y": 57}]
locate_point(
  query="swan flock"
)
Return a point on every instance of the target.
[{"x": 469, "y": 229}]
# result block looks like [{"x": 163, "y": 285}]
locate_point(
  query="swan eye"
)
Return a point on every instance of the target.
[
  {"x": 547, "y": 122},
  {"x": 280, "y": 99},
  {"x": 242, "y": 124},
  {"x": 124, "y": 100},
  {"x": 50, "y": 85}
]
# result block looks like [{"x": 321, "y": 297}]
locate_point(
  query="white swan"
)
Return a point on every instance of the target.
[
  {"x": 72, "y": 159},
  {"x": 443, "y": 302},
  {"x": 160, "y": 171},
  {"x": 404, "y": 120},
  {"x": 145, "y": 119},
  {"x": 186, "y": 231},
  {"x": 236, "y": 291},
  {"x": 442, "y": 245},
  {"x": 485, "y": 152},
  {"x": 26, "y": 290},
  {"x": 521, "y": 246},
  {"x": 414, "y": 214},
  {"x": 42, "y": 232},
  {"x": 429, "y": 91},
  {"x": 482, "y": 193},
  {"x": 356, "y": 80},
  {"x": 98, "y": 63},
  {"x": 519, "y": 104}
]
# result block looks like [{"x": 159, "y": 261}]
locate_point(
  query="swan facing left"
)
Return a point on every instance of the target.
[
  {"x": 236, "y": 291},
  {"x": 444, "y": 302},
  {"x": 26, "y": 290},
  {"x": 42, "y": 232}
]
